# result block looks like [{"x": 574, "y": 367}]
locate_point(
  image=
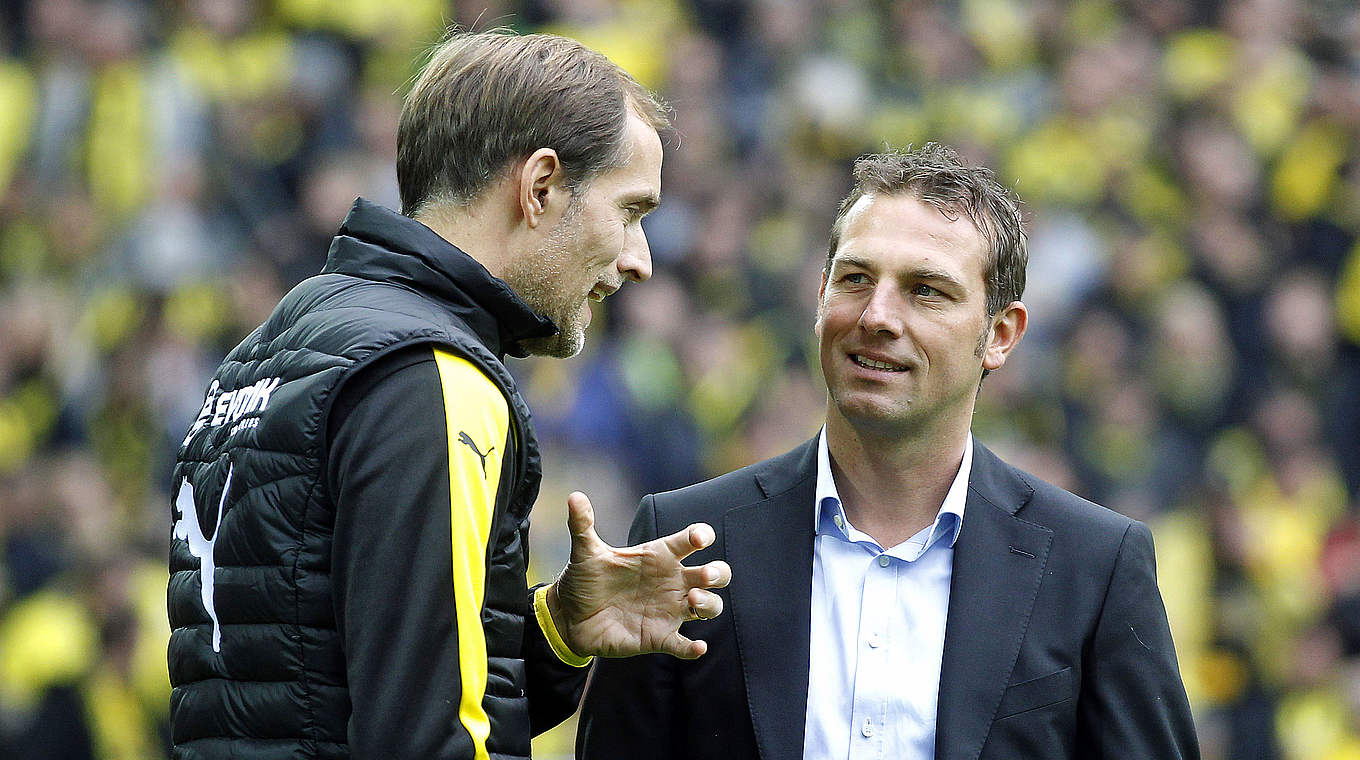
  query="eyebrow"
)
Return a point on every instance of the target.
[
  {"x": 645, "y": 203},
  {"x": 932, "y": 275},
  {"x": 935, "y": 275},
  {"x": 850, "y": 261}
]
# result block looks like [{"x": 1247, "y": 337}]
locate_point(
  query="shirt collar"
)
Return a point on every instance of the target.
[{"x": 954, "y": 500}]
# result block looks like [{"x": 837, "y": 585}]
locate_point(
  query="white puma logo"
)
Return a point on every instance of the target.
[{"x": 187, "y": 528}]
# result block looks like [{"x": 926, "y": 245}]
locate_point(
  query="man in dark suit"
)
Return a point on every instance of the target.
[{"x": 897, "y": 590}]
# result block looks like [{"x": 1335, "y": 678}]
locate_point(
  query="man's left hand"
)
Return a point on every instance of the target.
[{"x": 618, "y": 602}]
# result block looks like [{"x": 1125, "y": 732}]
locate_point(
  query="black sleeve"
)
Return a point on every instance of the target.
[
  {"x": 388, "y": 475},
  {"x": 1133, "y": 704},
  {"x": 397, "y": 579},
  {"x": 554, "y": 687},
  {"x": 631, "y": 706}
]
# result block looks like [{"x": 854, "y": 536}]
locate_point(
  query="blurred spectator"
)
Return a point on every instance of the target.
[{"x": 1192, "y": 179}]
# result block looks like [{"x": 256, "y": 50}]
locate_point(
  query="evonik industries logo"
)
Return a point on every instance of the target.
[{"x": 223, "y": 407}]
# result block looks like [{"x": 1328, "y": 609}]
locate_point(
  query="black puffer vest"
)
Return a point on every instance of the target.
[{"x": 255, "y": 660}]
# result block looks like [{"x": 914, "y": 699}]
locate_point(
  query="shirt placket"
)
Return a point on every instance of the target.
[{"x": 873, "y": 673}]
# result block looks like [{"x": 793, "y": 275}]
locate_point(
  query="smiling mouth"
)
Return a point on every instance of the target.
[{"x": 875, "y": 364}]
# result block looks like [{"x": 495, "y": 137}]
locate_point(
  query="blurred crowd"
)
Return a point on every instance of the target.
[{"x": 1191, "y": 184}]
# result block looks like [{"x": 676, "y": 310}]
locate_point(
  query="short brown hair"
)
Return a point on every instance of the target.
[
  {"x": 936, "y": 175},
  {"x": 485, "y": 99}
]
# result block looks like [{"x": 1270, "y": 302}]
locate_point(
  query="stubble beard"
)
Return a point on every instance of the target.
[{"x": 538, "y": 280}]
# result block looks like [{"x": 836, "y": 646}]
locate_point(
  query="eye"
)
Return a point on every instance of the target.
[
  {"x": 926, "y": 291},
  {"x": 855, "y": 278}
]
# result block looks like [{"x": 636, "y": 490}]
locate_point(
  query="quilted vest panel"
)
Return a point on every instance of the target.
[{"x": 254, "y": 651}]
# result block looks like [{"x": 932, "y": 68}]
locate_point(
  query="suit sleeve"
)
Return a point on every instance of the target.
[
  {"x": 631, "y": 707},
  {"x": 414, "y": 505},
  {"x": 1133, "y": 704}
]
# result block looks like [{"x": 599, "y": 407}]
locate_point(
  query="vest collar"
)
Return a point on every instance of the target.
[{"x": 376, "y": 243}]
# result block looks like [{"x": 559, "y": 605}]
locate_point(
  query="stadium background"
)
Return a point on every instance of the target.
[{"x": 168, "y": 169}]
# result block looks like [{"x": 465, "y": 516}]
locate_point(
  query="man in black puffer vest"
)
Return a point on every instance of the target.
[{"x": 352, "y": 501}]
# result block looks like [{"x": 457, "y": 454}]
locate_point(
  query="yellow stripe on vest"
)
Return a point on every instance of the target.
[{"x": 478, "y": 422}]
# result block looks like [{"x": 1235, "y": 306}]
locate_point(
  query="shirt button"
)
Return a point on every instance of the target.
[
  {"x": 867, "y": 729},
  {"x": 840, "y": 523},
  {"x": 883, "y": 560},
  {"x": 875, "y": 640}
]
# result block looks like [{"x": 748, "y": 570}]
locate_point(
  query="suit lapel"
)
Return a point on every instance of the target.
[
  {"x": 769, "y": 546},
  {"x": 998, "y": 565}
]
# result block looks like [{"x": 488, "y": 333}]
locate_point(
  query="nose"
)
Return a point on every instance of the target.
[
  {"x": 635, "y": 261},
  {"x": 884, "y": 313}
]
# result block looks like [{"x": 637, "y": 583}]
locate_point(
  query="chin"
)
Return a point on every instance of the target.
[
  {"x": 872, "y": 413},
  {"x": 568, "y": 342},
  {"x": 867, "y": 404},
  {"x": 559, "y": 346}
]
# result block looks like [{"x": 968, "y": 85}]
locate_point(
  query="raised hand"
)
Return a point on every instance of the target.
[{"x": 618, "y": 602}]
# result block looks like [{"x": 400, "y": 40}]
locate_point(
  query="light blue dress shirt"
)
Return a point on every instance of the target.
[{"x": 877, "y": 634}]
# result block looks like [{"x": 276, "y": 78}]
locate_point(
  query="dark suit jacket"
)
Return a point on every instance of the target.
[{"x": 1056, "y": 644}]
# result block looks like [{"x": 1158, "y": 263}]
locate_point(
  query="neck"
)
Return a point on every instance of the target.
[
  {"x": 473, "y": 229},
  {"x": 891, "y": 484}
]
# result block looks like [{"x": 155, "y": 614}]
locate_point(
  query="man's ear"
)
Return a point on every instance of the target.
[
  {"x": 542, "y": 190},
  {"x": 1008, "y": 327}
]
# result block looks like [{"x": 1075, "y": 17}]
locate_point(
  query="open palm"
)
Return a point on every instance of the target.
[{"x": 617, "y": 602}]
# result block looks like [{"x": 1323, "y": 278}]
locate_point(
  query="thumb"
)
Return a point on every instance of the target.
[{"x": 581, "y": 524}]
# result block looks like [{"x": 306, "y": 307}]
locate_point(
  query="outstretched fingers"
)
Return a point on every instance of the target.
[
  {"x": 699, "y": 605},
  {"x": 684, "y": 648},
  {"x": 703, "y": 605},
  {"x": 683, "y": 543},
  {"x": 715, "y": 574}
]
